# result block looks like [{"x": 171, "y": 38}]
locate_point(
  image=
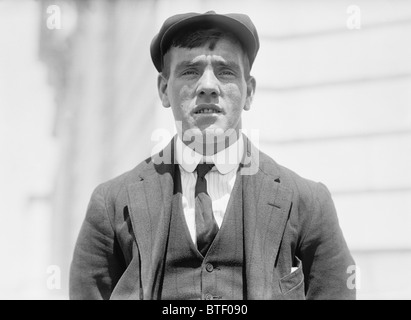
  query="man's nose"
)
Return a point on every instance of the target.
[{"x": 208, "y": 85}]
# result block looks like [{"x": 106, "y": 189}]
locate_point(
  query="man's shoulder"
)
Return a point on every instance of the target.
[
  {"x": 118, "y": 183},
  {"x": 302, "y": 187},
  {"x": 312, "y": 202}
]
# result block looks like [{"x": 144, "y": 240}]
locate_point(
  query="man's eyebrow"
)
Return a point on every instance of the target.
[
  {"x": 228, "y": 64},
  {"x": 187, "y": 64},
  {"x": 219, "y": 63}
]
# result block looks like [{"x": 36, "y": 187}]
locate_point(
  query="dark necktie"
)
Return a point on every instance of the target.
[{"x": 206, "y": 226}]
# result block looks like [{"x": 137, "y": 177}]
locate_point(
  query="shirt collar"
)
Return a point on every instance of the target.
[{"x": 225, "y": 161}]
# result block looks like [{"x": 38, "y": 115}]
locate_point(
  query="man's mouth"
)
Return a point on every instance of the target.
[{"x": 207, "y": 109}]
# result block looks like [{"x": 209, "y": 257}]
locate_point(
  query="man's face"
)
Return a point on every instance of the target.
[{"x": 206, "y": 88}]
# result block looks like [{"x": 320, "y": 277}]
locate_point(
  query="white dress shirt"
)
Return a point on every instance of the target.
[{"x": 220, "y": 180}]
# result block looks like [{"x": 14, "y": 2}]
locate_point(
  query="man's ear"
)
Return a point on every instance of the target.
[
  {"x": 162, "y": 90},
  {"x": 251, "y": 83}
]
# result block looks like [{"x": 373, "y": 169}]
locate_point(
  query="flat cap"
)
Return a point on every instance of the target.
[{"x": 238, "y": 24}]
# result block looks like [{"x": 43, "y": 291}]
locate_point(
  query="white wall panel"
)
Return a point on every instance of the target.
[
  {"x": 354, "y": 54},
  {"x": 367, "y": 220},
  {"x": 382, "y": 106},
  {"x": 378, "y": 163},
  {"x": 280, "y": 18}
]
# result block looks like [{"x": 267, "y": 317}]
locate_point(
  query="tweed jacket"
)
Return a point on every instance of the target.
[{"x": 294, "y": 247}]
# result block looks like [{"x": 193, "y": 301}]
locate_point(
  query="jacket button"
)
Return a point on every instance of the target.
[
  {"x": 209, "y": 267},
  {"x": 208, "y": 296}
]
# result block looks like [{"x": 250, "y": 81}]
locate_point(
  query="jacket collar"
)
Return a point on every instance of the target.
[{"x": 225, "y": 161}]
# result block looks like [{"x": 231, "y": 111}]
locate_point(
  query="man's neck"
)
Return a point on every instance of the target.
[
  {"x": 210, "y": 145},
  {"x": 226, "y": 158}
]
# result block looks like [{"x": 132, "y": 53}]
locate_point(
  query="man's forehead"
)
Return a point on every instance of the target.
[{"x": 224, "y": 51}]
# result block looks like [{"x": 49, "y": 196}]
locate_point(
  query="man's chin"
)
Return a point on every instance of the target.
[{"x": 210, "y": 135}]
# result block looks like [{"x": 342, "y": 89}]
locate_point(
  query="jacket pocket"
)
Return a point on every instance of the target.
[{"x": 292, "y": 285}]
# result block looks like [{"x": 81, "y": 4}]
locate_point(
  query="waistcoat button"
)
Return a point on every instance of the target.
[
  {"x": 209, "y": 267},
  {"x": 208, "y": 296}
]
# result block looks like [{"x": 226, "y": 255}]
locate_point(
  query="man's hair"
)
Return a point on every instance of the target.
[{"x": 199, "y": 38}]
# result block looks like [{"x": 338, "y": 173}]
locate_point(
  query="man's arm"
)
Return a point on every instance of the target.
[
  {"x": 96, "y": 265},
  {"x": 324, "y": 253}
]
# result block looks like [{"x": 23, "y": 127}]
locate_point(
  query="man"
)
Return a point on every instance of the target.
[{"x": 209, "y": 217}]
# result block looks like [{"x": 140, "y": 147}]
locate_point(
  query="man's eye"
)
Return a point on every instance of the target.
[
  {"x": 227, "y": 73},
  {"x": 189, "y": 72}
]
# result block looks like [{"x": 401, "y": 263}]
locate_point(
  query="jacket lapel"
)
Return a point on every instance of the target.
[
  {"x": 150, "y": 201},
  {"x": 266, "y": 208}
]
